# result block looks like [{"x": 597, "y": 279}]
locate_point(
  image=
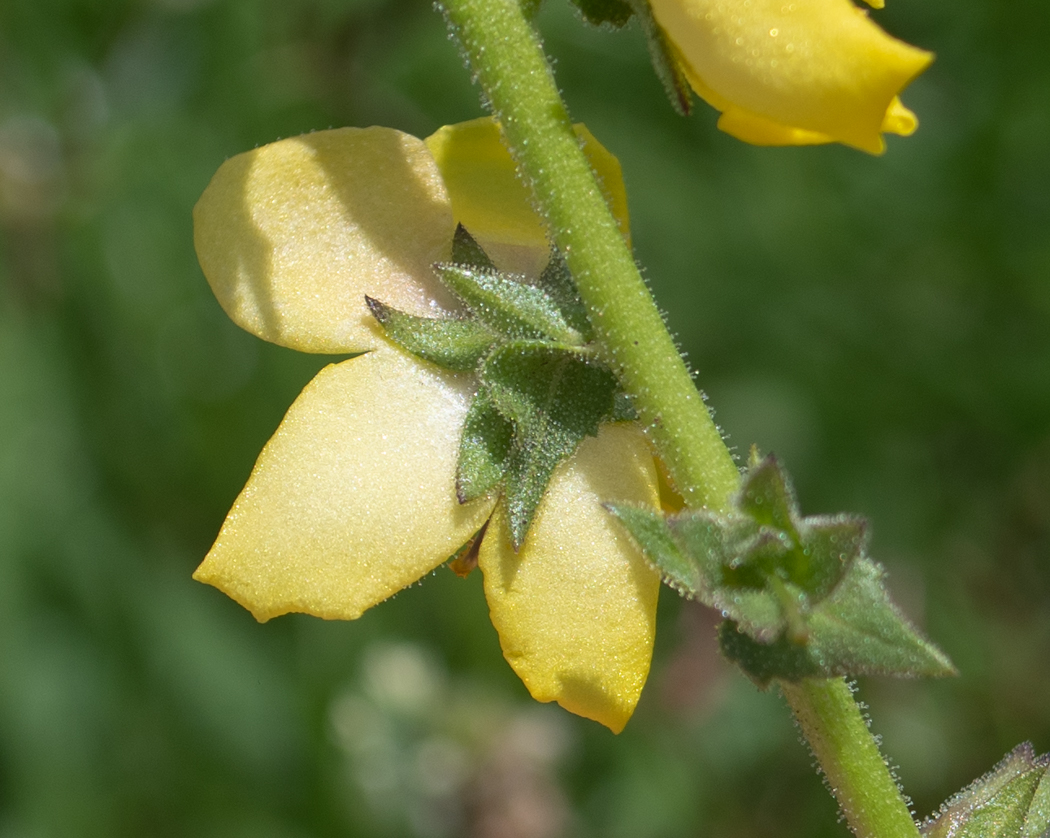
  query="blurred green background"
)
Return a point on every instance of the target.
[{"x": 882, "y": 324}]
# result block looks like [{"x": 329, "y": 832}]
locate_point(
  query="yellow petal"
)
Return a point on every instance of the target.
[
  {"x": 758, "y": 130},
  {"x": 576, "y": 607},
  {"x": 353, "y": 498},
  {"x": 792, "y": 72},
  {"x": 899, "y": 120},
  {"x": 487, "y": 197},
  {"x": 292, "y": 236}
]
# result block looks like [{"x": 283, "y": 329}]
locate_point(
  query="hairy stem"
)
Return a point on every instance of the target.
[
  {"x": 856, "y": 772},
  {"x": 512, "y": 69},
  {"x": 508, "y": 60}
]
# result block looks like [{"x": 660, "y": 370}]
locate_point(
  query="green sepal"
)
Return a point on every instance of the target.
[
  {"x": 453, "y": 343},
  {"x": 556, "y": 280},
  {"x": 1010, "y": 801},
  {"x": 467, "y": 251},
  {"x": 667, "y": 62},
  {"x": 623, "y": 408},
  {"x": 511, "y": 308},
  {"x": 484, "y": 449},
  {"x": 612, "y": 12},
  {"x": 554, "y": 396},
  {"x": 855, "y": 631}
]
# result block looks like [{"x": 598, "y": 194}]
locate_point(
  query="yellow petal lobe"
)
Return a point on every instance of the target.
[
  {"x": 291, "y": 236},
  {"x": 757, "y": 130},
  {"x": 487, "y": 197},
  {"x": 354, "y": 497},
  {"x": 792, "y": 73},
  {"x": 576, "y": 607},
  {"x": 899, "y": 120}
]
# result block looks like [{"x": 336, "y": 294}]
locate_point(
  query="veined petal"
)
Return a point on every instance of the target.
[
  {"x": 354, "y": 497},
  {"x": 792, "y": 72},
  {"x": 576, "y": 607},
  {"x": 487, "y": 197},
  {"x": 293, "y": 235}
]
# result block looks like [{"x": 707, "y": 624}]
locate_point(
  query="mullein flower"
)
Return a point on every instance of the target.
[
  {"x": 355, "y": 496},
  {"x": 794, "y": 72}
]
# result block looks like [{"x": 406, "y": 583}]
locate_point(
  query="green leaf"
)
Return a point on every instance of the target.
[
  {"x": 668, "y": 64},
  {"x": 767, "y": 496},
  {"x": 554, "y": 396},
  {"x": 858, "y": 630},
  {"x": 649, "y": 529},
  {"x": 1037, "y": 821},
  {"x": 556, "y": 280},
  {"x": 812, "y": 553},
  {"x": 829, "y": 545},
  {"x": 762, "y": 662},
  {"x": 800, "y": 597},
  {"x": 531, "y": 8},
  {"x": 694, "y": 552},
  {"x": 855, "y": 631},
  {"x": 484, "y": 449},
  {"x": 449, "y": 342},
  {"x": 466, "y": 251},
  {"x": 623, "y": 408},
  {"x": 597, "y": 12},
  {"x": 513, "y": 309},
  {"x": 1010, "y": 801}
]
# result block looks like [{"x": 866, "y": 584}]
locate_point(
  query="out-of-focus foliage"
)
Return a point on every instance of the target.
[{"x": 881, "y": 324}]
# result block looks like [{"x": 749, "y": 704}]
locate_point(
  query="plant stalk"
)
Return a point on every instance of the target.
[
  {"x": 855, "y": 770},
  {"x": 507, "y": 58}
]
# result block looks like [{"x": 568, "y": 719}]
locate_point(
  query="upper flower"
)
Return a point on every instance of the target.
[
  {"x": 794, "y": 72},
  {"x": 355, "y": 496}
]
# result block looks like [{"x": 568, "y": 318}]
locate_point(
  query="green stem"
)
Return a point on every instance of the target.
[
  {"x": 505, "y": 53},
  {"x": 512, "y": 69},
  {"x": 847, "y": 753}
]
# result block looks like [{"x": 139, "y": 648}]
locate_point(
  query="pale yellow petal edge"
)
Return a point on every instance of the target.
[{"x": 353, "y": 498}]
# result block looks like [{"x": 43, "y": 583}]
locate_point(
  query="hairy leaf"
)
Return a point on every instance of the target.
[
  {"x": 799, "y": 594},
  {"x": 554, "y": 397},
  {"x": 1010, "y": 801},
  {"x": 649, "y": 529},
  {"x": 513, "y": 309},
  {"x": 466, "y": 251},
  {"x": 855, "y": 631},
  {"x": 484, "y": 449},
  {"x": 612, "y": 12},
  {"x": 556, "y": 280},
  {"x": 667, "y": 62},
  {"x": 449, "y": 342}
]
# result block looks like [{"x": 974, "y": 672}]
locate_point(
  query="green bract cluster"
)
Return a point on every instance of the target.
[
  {"x": 800, "y": 596},
  {"x": 1010, "y": 801},
  {"x": 540, "y": 389}
]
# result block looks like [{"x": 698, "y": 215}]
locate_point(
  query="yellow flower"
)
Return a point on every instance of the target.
[
  {"x": 794, "y": 72},
  {"x": 354, "y": 496}
]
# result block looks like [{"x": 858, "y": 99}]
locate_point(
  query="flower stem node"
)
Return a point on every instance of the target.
[
  {"x": 478, "y": 425},
  {"x": 800, "y": 596}
]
